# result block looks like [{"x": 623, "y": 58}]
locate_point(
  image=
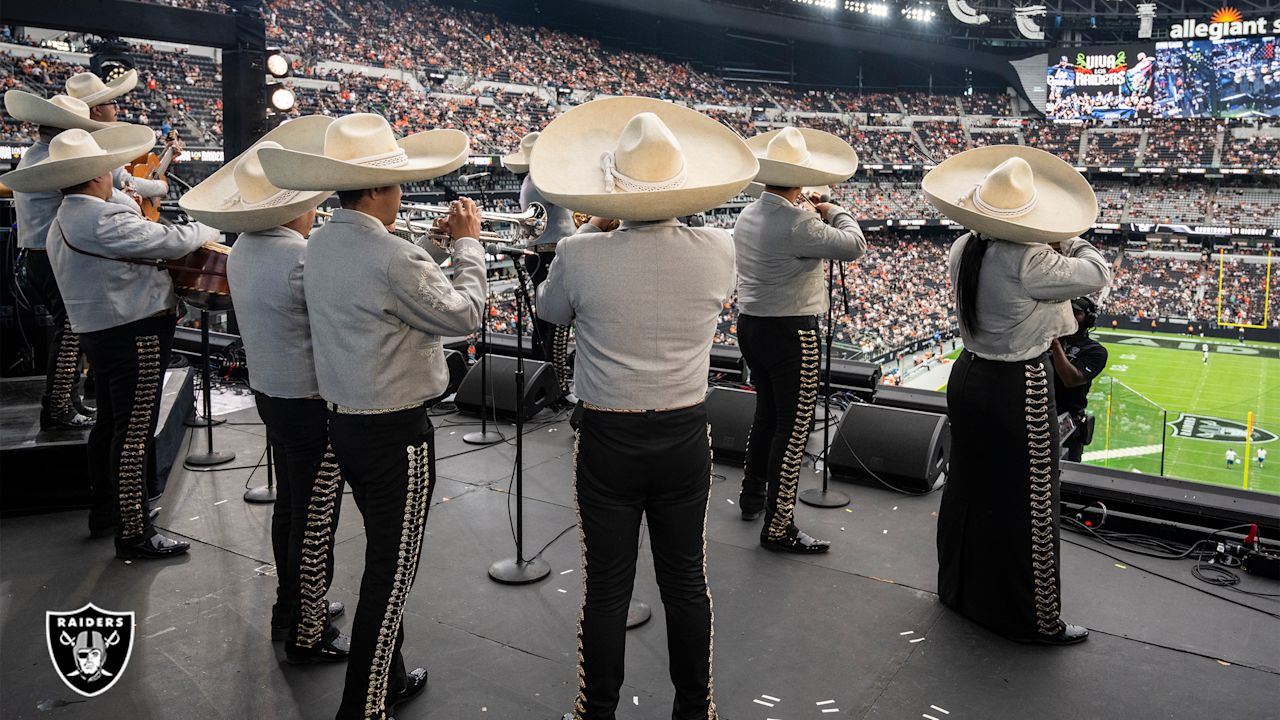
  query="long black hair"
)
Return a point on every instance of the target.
[{"x": 967, "y": 280}]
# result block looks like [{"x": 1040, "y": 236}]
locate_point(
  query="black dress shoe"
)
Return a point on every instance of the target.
[
  {"x": 156, "y": 546},
  {"x": 795, "y": 541},
  {"x": 280, "y": 628},
  {"x": 749, "y": 515},
  {"x": 335, "y": 649},
  {"x": 1068, "y": 635},
  {"x": 71, "y": 420},
  {"x": 415, "y": 681}
]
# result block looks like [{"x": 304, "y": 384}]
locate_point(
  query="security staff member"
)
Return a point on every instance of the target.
[{"x": 1077, "y": 360}]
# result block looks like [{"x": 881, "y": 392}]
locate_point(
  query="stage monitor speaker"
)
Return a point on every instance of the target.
[
  {"x": 730, "y": 410},
  {"x": 861, "y": 377},
  {"x": 895, "y": 396},
  {"x": 540, "y": 388},
  {"x": 906, "y": 449}
]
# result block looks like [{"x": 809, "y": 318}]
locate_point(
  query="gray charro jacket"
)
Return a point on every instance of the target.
[
  {"x": 645, "y": 300},
  {"x": 378, "y": 304},
  {"x": 100, "y": 293},
  {"x": 265, "y": 273},
  {"x": 780, "y": 252},
  {"x": 1024, "y": 294}
]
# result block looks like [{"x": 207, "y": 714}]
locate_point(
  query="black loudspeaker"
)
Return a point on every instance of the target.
[
  {"x": 906, "y": 449},
  {"x": 457, "y": 365},
  {"x": 912, "y": 399},
  {"x": 540, "y": 388},
  {"x": 730, "y": 410}
]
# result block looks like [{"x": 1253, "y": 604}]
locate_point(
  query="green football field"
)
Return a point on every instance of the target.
[{"x": 1167, "y": 404}]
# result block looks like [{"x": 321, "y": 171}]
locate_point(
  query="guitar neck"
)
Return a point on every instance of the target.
[{"x": 162, "y": 167}]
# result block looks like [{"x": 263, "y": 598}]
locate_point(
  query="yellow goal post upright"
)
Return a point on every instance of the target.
[{"x": 1266, "y": 301}]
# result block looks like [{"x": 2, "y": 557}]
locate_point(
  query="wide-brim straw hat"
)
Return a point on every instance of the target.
[
  {"x": 239, "y": 197},
  {"x": 77, "y": 156},
  {"x": 1014, "y": 193},
  {"x": 518, "y": 161},
  {"x": 638, "y": 158},
  {"x": 60, "y": 111},
  {"x": 89, "y": 88},
  {"x": 361, "y": 151},
  {"x": 800, "y": 157}
]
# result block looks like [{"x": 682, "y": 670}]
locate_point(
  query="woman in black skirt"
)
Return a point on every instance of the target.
[{"x": 1013, "y": 274}]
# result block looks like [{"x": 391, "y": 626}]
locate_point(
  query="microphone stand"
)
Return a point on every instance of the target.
[
  {"x": 485, "y": 436},
  {"x": 518, "y": 570},
  {"x": 209, "y": 457},
  {"x": 826, "y": 497},
  {"x": 263, "y": 494}
]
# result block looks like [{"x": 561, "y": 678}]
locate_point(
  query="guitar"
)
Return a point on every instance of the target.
[{"x": 151, "y": 167}]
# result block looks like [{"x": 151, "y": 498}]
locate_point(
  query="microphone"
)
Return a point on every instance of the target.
[
  {"x": 473, "y": 176},
  {"x": 497, "y": 249}
]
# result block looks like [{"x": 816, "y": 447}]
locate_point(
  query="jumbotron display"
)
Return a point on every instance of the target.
[
  {"x": 1238, "y": 77},
  {"x": 1101, "y": 82}
]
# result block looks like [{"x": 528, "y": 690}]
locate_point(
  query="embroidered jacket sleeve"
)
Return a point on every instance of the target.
[
  {"x": 425, "y": 299},
  {"x": 146, "y": 188},
  {"x": 123, "y": 233},
  {"x": 1048, "y": 275},
  {"x": 840, "y": 240}
]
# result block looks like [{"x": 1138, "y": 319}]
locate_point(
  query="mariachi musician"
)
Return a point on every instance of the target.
[
  {"x": 377, "y": 307},
  {"x": 780, "y": 249},
  {"x": 101, "y": 99},
  {"x": 265, "y": 272},
  {"x": 61, "y": 405},
  {"x": 551, "y": 340},
  {"x": 643, "y": 448},
  {"x": 123, "y": 308}
]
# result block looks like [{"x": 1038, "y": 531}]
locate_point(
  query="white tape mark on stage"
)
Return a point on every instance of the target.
[
  {"x": 219, "y": 503},
  {"x": 929, "y": 717},
  {"x": 771, "y": 698},
  {"x": 830, "y": 710},
  {"x": 158, "y": 634},
  {"x": 562, "y": 590},
  {"x": 566, "y": 572},
  {"x": 916, "y": 640},
  {"x": 907, "y": 632},
  {"x": 1122, "y": 452},
  {"x": 758, "y": 701},
  {"x": 935, "y": 707},
  {"x": 635, "y": 700},
  {"x": 825, "y": 702}
]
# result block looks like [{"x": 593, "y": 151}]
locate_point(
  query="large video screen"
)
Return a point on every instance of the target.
[
  {"x": 1111, "y": 81},
  {"x": 1218, "y": 78}
]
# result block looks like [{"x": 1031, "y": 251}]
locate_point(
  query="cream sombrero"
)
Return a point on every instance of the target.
[
  {"x": 638, "y": 158},
  {"x": 239, "y": 198},
  {"x": 89, "y": 88},
  {"x": 361, "y": 151},
  {"x": 60, "y": 111},
  {"x": 518, "y": 161},
  {"x": 77, "y": 156},
  {"x": 799, "y": 157},
  {"x": 1013, "y": 193}
]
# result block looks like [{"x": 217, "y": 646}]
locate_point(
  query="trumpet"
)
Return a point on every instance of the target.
[{"x": 528, "y": 225}]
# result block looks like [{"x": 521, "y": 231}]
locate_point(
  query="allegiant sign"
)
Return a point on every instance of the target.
[{"x": 1225, "y": 23}]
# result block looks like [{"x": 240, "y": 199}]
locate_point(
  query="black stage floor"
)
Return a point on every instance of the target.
[{"x": 860, "y": 627}]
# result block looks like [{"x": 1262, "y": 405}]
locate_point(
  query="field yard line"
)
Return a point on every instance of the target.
[{"x": 1122, "y": 452}]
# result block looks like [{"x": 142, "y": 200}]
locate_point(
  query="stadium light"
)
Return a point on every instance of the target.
[
  {"x": 874, "y": 9},
  {"x": 282, "y": 98},
  {"x": 1026, "y": 18},
  {"x": 277, "y": 63},
  {"x": 827, "y": 4},
  {"x": 1146, "y": 17},
  {"x": 965, "y": 13},
  {"x": 920, "y": 13}
]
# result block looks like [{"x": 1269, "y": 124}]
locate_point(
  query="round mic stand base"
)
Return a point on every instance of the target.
[
  {"x": 199, "y": 421},
  {"x": 817, "y": 497},
  {"x": 261, "y": 495},
  {"x": 483, "y": 437},
  {"x": 514, "y": 572},
  {"x": 209, "y": 459},
  {"x": 638, "y": 614}
]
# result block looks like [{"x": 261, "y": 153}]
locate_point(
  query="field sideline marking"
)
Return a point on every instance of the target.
[{"x": 1122, "y": 452}]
